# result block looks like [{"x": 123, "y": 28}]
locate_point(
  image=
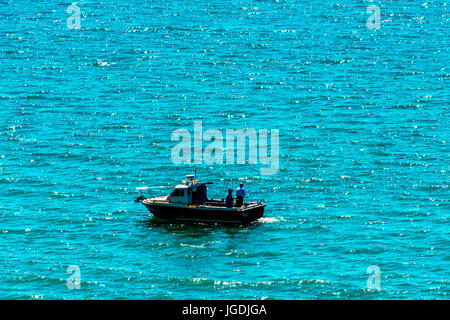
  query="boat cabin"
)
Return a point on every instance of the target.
[{"x": 189, "y": 192}]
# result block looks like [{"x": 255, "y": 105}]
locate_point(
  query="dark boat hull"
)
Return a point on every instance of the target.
[{"x": 204, "y": 214}]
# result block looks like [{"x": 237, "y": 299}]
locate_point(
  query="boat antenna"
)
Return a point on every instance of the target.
[{"x": 195, "y": 173}]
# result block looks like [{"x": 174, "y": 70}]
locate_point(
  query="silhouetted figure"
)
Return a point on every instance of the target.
[{"x": 229, "y": 201}]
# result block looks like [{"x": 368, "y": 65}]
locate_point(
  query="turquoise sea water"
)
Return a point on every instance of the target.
[{"x": 86, "y": 116}]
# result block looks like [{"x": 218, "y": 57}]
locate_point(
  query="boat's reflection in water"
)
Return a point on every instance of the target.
[
  {"x": 227, "y": 236},
  {"x": 197, "y": 229}
]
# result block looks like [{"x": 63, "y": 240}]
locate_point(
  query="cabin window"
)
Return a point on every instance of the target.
[
  {"x": 194, "y": 197},
  {"x": 177, "y": 193}
]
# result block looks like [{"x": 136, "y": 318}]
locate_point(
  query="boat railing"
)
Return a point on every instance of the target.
[
  {"x": 150, "y": 192},
  {"x": 222, "y": 203}
]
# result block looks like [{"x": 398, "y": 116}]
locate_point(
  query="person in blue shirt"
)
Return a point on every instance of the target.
[
  {"x": 240, "y": 194},
  {"x": 229, "y": 200}
]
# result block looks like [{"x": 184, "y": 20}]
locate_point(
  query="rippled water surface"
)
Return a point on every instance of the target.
[{"x": 86, "y": 116}]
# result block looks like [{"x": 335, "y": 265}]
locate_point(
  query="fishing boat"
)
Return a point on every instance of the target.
[{"x": 188, "y": 202}]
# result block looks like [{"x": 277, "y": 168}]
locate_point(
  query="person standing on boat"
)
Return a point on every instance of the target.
[
  {"x": 240, "y": 194},
  {"x": 229, "y": 200}
]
